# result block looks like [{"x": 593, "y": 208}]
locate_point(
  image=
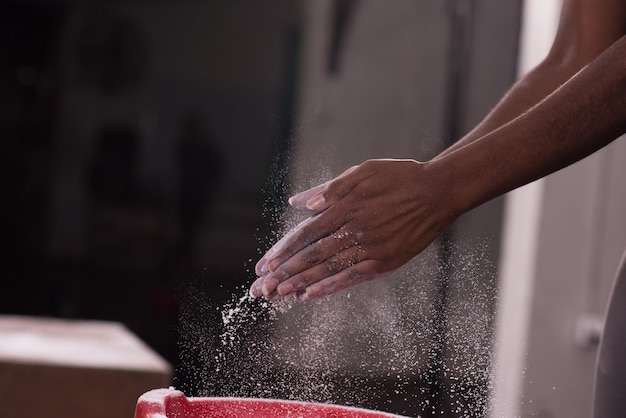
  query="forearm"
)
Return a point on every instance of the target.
[
  {"x": 581, "y": 116},
  {"x": 524, "y": 94},
  {"x": 586, "y": 29}
]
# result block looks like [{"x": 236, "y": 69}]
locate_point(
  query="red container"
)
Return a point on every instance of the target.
[{"x": 170, "y": 403}]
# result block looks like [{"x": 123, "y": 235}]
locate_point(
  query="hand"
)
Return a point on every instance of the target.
[{"x": 365, "y": 224}]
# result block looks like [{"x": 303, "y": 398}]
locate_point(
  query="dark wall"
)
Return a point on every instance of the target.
[{"x": 142, "y": 145}]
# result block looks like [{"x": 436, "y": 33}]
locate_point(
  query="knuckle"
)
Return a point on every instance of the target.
[
  {"x": 332, "y": 265},
  {"x": 298, "y": 282},
  {"x": 368, "y": 163},
  {"x": 313, "y": 256},
  {"x": 365, "y": 270},
  {"x": 354, "y": 274},
  {"x": 304, "y": 234},
  {"x": 371, "y": 165},
  {"x": 281, "y": 274},
  {"x": 335, "y": 189}
]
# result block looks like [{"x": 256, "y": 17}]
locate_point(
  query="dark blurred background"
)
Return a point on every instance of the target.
[
  {"x": 144, "y": 146},
  {"x": 148, "y": 146},
  {"x": 148, "y": 151}
]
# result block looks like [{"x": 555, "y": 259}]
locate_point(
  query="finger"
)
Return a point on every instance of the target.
[
  {"x": 324, "y": 269},
  {"x": 299, "y": 201},
  {"x": 325, "y": 195},
  {"x": 317, "y": 253},
  {"x": 362, "y": 272},
  {"x": 303, "y": 236},
  {"x": 304, "y": 200},
  {"x": 265, "y": 286},
  {"x": 261, "y": 268},
  {"x": 271, "y": 282},
  {"x": 255, "y": 288}
]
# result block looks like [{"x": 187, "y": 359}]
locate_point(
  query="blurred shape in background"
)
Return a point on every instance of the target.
[{"x": 200, "y": 166}]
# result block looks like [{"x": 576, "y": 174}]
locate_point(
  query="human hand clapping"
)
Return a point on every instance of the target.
[{"x": 365, "y": 224}]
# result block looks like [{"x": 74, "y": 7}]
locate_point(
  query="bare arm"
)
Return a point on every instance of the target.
[
  {"x": 586, "y": 28},
  {"x": 380, "y": 214},
  {"x": 580, "y": 117}
]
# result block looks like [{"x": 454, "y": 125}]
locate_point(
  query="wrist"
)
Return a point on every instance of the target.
[{"x": 453, "y": 181}]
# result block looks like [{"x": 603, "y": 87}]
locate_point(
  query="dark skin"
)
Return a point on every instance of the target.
[{"x": 378, "y": 215}]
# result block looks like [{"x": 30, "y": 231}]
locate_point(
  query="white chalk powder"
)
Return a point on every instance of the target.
[
  {"x": 361, "y": 347},
  {"x": 380, "y": 344}
]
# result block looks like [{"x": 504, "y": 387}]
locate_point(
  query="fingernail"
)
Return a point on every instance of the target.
[
  {"x": 269, "y": 285},
  {"x": 297, "y": 202},
  {"x": 255, "y": 289},
  {"x": 261, "y": 268},
  {"x": 285, "y": 289},
  {"x": 273, "y": 264},
  {"x": 270, "y": 253},
  {"x": 274, "y": 297},
  {"x": 316, "y": 202}
]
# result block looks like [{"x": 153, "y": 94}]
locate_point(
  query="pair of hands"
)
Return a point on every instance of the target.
[{"x": 364, "y": 224}]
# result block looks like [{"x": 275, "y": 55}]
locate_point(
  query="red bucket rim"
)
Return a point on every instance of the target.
[{"x": 169, "y": 403}]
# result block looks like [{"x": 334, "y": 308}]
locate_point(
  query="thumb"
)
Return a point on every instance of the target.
[
  {"x": 300, "y": 200},
  {"x": 323, "y": 196}
]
